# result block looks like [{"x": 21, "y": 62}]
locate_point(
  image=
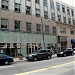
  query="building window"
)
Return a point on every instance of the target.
[
  {"x": 38, "y": 28},
  {"x": 63, "y": 8},
  {"x": 2, "y": 45},
  {"x": 63, "y": 30},
  {"x": 52, "y": 4},
  {"x": 58, "y": 6},
  {"x": 46, "y": 28},
  {"x": 54, "y": 30},
  {"x": 4, "y": 23},
  {"x": 45, "y": 2},
  {"x": 73, "y": 22},
  {"x": 28, "y": 10},
  {"x": 46, "y": 14},
  {"x": 5, "y": 4},
  {"x": 69, "y": 20},
  {"x": 17, "y": 24},
  {"x": 28, "y": 27},
  {"x": 59, "y": 17},
  {"x": 72, "y": 11},
  {"x": 53, "y": 16},
  {"x": 72, "y": 32},
  {"x": 28, "y": 0},
  {"x": 64, "y": 19},
  {"x": 68, "y": 11},
  {"x": 37, "y": 12},
  {"x": 17, "y": 7},
  {"x": 37, "y": 1}
]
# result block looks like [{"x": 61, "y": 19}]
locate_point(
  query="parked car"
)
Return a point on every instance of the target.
[
  {"x": 65, "y": 52},
  {"x": 39, "y": 54},
  {"x": 4, "y": 59},
  {"x": 74, "y": 50}
]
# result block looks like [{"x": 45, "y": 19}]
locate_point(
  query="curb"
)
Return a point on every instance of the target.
[
  {"x": 24, "y": 59},
  {"x": 17, "y": 60}
]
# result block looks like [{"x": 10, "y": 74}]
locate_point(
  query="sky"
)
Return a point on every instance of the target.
[{"x": 69, "y": 2}]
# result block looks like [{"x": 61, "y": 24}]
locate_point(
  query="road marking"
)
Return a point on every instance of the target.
[
  {"x": 4, "y": 67},
  {"x": 53, "y": 67}
]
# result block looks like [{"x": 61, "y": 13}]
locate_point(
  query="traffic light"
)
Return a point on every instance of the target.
[{"x": 58, "y": 39}]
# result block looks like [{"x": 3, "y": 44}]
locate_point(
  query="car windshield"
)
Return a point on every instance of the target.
[
  {"x": 35, "y": 51},
  {"x": 74, "y": 49},
  {"x": 69, "y": 49},
  {"x": 62, "y": 50},
  {"x": 2, "y": 55}
]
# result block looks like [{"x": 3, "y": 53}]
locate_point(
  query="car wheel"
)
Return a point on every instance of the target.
[
  {"x": 49, "y": 57},
  {"x": 35, "y": 58},
  {"x": 72, "y": 54},
  {"x": 57, "y": 55},
  {"x": 64, "y": 55},
  {"x": 6, "y": 62}
]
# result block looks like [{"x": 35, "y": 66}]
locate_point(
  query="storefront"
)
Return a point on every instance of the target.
[
  {"x": 31, "y": 47},
  {"x": 10, "y": 50},
  {"x": 62, "y": 42},
  {"x": 9, "y": 43},
  {"x": 13, "y": 43}
]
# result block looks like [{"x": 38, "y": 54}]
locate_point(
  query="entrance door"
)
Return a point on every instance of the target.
[
  {"x": 34, "y": 48},
  {"x": 7, "y": 52},
  {"x": 31, "y": 48},
  {"x": 63, "y": 44},
  {"x": 11, "y": 52},
  {"x": 28, "y": 48}
]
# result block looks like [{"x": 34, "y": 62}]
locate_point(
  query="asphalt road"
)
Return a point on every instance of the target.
[{"x": 54, "y": 66}]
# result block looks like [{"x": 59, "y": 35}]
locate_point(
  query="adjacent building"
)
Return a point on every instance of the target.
[{"x": 24, "y": 23}]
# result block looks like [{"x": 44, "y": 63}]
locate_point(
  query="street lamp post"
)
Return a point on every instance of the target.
[{"x": 43, "y": 32}]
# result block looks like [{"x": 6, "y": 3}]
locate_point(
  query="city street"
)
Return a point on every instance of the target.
[
  {"x": 34, "y": 30},
  {"x": 54, "y": 66}
]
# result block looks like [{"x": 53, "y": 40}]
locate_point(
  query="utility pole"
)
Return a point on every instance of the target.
[
  {"x": 43, "y": 38},
  {"x": 43, "y": 46}
]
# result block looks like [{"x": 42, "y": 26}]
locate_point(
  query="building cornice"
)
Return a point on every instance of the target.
[{"x": 65, "y": 25}]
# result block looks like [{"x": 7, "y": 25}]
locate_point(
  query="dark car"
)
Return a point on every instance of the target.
[
  {"x": 4, "y": 59},
  {"x": 65, "y": 52},
  {"x": 39, "y": 54},
  {"x": 74, "y": 50}
]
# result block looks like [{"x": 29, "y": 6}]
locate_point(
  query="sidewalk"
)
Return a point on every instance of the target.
[
  {"x": 24, "y": 59},
  {"x": 17, "y": 60}
]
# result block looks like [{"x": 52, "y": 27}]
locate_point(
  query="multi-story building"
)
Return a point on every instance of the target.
[
  {"x": 23, "y": 23},
  {"x": 65, "y": 22}
]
